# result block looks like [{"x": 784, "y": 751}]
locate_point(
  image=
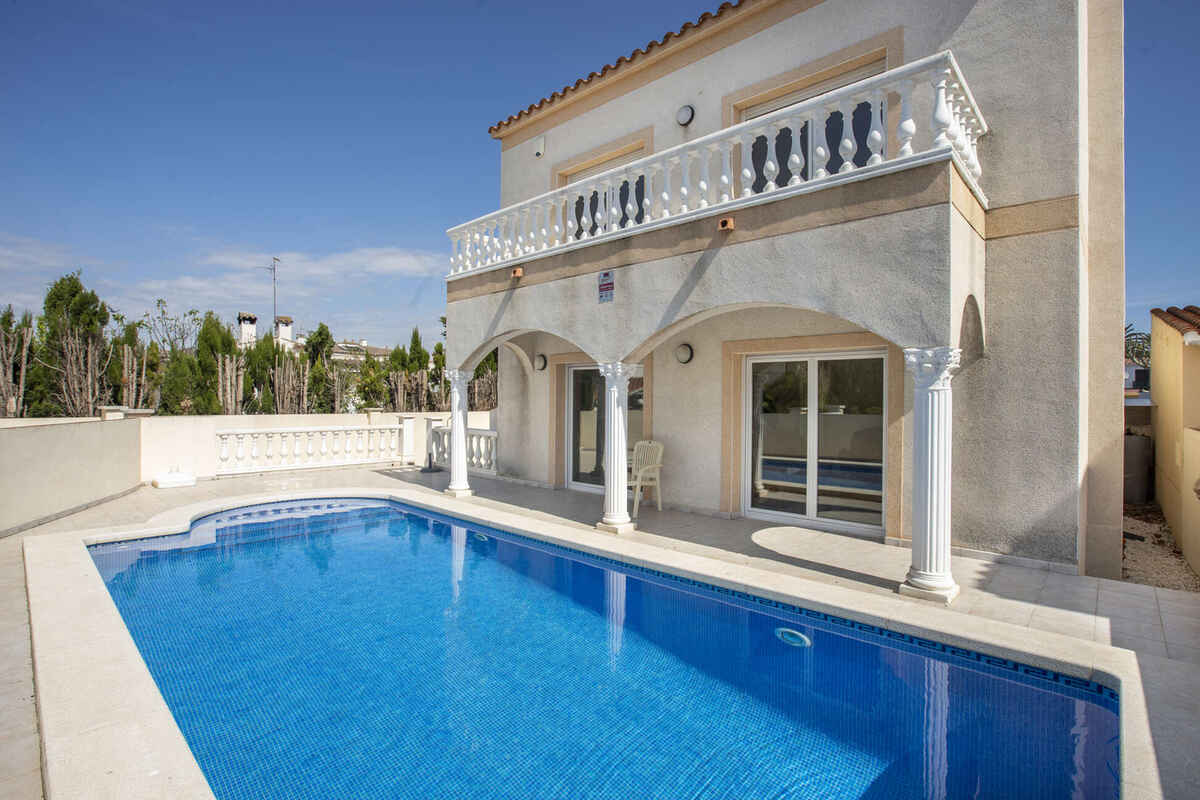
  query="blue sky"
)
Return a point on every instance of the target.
[{"x": 169, "y": 150}]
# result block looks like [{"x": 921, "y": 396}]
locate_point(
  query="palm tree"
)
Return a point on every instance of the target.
[{"x": 1137, "y": 346}]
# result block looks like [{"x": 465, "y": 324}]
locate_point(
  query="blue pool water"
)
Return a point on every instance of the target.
[{"x": 365, "y": 649}]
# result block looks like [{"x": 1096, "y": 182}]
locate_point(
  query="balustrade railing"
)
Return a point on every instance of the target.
[
  {"x": 481, "y": 449},
  {"x": 832, "y": 138},
  {"x": 270, "y": 449}
]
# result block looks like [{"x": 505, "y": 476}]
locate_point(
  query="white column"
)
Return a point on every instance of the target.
[
  {"x": 933, "y": 411},
  {"x": 935, "y": 768},
  {"x": 616, "y": 480},
  {"x": 614, "y": 611},
  {"x": 459, "y": 487},
  {"x": 458, "y": 558}
]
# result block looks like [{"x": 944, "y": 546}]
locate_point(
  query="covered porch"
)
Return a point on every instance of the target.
[{"x": 733, "y": 413}]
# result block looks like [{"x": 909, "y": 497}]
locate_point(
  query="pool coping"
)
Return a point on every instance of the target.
[{"x": 107, "y": 732}]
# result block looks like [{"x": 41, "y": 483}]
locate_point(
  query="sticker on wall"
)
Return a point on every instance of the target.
[{"x": 606, "y": 286}]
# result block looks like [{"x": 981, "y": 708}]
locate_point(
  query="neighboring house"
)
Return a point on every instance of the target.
[
  {"x": 1137, "y": 378},
  {"x": 1175, "y": 387},
  {"x": 797, "y": 299},
  {"x": 356, "y": 352}
]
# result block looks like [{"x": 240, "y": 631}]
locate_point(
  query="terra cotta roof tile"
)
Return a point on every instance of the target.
[
  {"x": 1184, "y": 320},
  {"x": 688, "y": 27}
]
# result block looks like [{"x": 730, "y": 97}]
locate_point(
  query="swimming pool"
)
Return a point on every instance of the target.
[{"x": 363, "y": 648}]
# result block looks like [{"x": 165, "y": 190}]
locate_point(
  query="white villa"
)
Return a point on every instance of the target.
[{"x": 825, "y": 323}]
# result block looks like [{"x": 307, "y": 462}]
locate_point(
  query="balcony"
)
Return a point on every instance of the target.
[{"x": 771, "y": 157}]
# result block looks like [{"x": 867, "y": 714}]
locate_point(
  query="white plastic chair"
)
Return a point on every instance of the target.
[{"x": 645, "y": 470}]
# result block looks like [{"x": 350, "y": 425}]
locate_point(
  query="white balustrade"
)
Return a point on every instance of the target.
[
  {"x": 481, "y": 449},
  {"x": 270, "y": 449},
  {"x": 531, "y": 229}
]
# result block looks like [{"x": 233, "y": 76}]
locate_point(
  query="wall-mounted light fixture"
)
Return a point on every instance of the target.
[
  {"x": 685, "y": 115},
  {"x": 684, "y": 353},
  {"x": 539, "y": 362}
]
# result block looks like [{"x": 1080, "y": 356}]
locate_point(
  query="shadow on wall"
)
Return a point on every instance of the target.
[
  {"x": 970, "y": 332},
  {"x": 695, "y": 274}
]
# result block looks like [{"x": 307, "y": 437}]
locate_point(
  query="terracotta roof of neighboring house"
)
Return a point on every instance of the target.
[
  {"x": 356, "y": 347},
  {"x": 1184, "y": 320},
  {"x": 688, "y": 27}
]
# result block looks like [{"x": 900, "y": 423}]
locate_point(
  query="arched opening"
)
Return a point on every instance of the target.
[
  {"x": 551, "y": 409},
  {"x": 780, "y": 413}
]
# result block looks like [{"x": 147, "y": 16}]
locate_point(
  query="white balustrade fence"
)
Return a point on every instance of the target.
[
  {"x": 481, "y": 449},
  {"x": 270, "y": 449},
  {"x": 798, "y": 148}
]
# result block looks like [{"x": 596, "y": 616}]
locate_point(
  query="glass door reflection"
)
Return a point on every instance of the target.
[
  {"x": 585, "y": 425},
  {"x": 779, "y": 436},
  {"x": 586, "y": 409},
  {"x": 850, "y": 440}
]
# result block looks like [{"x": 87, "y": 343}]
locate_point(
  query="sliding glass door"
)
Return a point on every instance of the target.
[{"x": 826, "y": 465}]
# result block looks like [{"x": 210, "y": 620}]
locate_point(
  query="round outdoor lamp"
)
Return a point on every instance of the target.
[
  {"x": 684, "y": 353},
  {"x": 539, "y": 362},
  {"x": 684, "y": 115}
]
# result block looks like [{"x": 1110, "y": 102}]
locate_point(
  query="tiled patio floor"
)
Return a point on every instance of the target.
[{"x": 1162, "y": 626}]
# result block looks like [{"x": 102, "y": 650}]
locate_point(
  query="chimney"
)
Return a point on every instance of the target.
[
  {"x": 247, "y": 329},
  {"x": 283, "y": 331}
]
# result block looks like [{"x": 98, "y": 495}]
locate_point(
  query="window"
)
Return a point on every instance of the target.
[
  {"x": 603, "y": 166},
  {"x": 609, "y": 156},
  {"x": 833, "y": 126},
  {"x": 758, "y": 109}
]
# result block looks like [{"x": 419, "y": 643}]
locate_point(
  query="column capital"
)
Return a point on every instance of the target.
[
  {"x": 458, "y": 376},
  {"x": 616, "y": 370},
  {"x": 932, "y": 367}
]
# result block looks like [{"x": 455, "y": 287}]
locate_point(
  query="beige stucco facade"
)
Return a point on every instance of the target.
[
  {"x": 1028, "y": 284},
  {"x": 1175, "y": 417}
]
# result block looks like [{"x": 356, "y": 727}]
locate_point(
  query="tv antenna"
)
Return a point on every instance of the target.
[{"x": 273, "y": 268}]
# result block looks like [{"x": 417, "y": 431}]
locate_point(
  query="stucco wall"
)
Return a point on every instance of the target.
[
  {"x": 526, "y": 412},
  {"x": 687, "y": 397},
  {"x": 1187, "y": 531},
  {"x": 1166, "y": 391},
  {"x": 1016, "y": 409},
  {"x": 901, "y": 291},
  {"x": 1175, "y": 391},
  {"x": 1018, "y": 56},
  {"x": 25, "y": 422},
  {"x": 46, "y": 470},
  {"x": 1017, "y": 398},
  {"x": 1102, "y": 230}
]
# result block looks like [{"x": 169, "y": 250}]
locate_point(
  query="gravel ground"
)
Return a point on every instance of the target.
[{"x": 1157, "y": 561}]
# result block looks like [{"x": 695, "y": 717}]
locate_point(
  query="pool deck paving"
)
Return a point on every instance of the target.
[{"x": 1160, "y": 626}]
